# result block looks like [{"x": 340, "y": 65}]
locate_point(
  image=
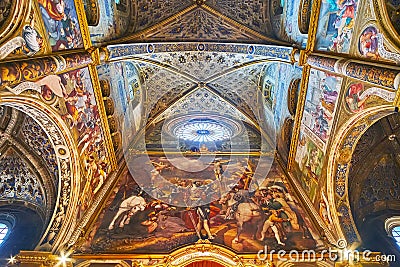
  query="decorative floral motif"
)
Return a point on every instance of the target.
[
  {"x": 37, "y": 139},
  {"x": 347, "y": 225},
  {"x": 199, "y": 24},
  {"x": 17, "y": 181}
]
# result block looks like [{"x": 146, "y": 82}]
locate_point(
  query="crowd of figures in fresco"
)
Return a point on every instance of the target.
[
  {"x": 240, "y": 218},
  {"x": 61, "y": 23},
  {"x": 337, "y": 19}
]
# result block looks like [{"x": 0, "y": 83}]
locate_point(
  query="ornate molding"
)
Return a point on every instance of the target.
[
  {"x": 142, "y": 34},
  {"x": 103, "y": 116},
  {"x": 20, "y": 10},
  {"x": 200, "y": 251},
  {"x": 62, "y": 141},
  {"x": 304, "y": 16},
  {"x": 341, "y": 152},
  {"x": 312, "y": 30},
  {"x": 92, "y": 12},
  {"x": 293, "y": 96},
  {"x": 385, "y": 23},
  {"x": 298, "y": 116}
]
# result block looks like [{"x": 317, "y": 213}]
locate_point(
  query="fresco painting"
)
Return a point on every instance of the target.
[
  {"x": 359, "y": 96},
  {"x": 336, "y": 24},
  {"x": 321, "y": 103},
  {"x": 309, "y": 159},
  {"x": 136, "y": 222},
  {"x": 29, "y": 42},
  {"x": 372, "y": 45},
  {"x": 61, "y": 23},
  {"x": 125, "y": 92},
  {"x": 72, "y": 92},
  {"x": 368, "y": 43},
  {"x": 275, "y": 83}
]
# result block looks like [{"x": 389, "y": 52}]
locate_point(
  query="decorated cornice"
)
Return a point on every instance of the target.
[{"x": 125, "y": 51}]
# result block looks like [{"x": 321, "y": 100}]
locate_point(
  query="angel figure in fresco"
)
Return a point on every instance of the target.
[
  {"x": 33, "y": 40},
  {"x": 353, "y": 97},
  {"x": 203, "y": 212},
  {"x": 368, "y": 43}
]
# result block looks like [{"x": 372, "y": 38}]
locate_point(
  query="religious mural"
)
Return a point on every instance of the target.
[
  {"x": 372, "y": 45},
  {"x": 309, "y": 161},
  {"x": 336, "y": 25},
  {"x": 359, "y": 96},
  {"x": 61, "y": 24},
  {"x": 320, "y": 106},
  {"x": 28, "y": 42},
  {"x": 73, "y": 95},
  {"x": 126, "y": 93},
  {"x": 319, "y": 111},
  {"x": 80, "y": 111},
  {"x": 241, "y": 218}
]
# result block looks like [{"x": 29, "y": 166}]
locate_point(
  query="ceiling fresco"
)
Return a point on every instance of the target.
[
  {"x": 115, "y": 20},
  {"x": 157, "y": 226},
  {"x": 202, "y": 101},
  {"x": 245, "y": 13},
  {"x": 336, "y": 25},
  {"x": 290, "y": 23},
  {"x": 199, "y": 24},
  {"x": 232, "y": 76}
]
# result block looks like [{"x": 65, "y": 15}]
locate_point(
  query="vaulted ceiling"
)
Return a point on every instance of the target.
[{"x": 28, "y": 178}]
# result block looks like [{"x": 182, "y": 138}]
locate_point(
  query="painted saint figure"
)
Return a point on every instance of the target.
[{"x": 204, "y": 215}]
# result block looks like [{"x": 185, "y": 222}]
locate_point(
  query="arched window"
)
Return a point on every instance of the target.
[
  {"x": 396, "y": 234},
  {"x": 392, "y": 226},
  {"x": 7, "y": 223},
  {"x": 3, "y": 232}
]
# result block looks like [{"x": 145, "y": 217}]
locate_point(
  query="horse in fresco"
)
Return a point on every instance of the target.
[
  {"x": 248, "y": 212},
  {"x": 244, "y": 210},
  {"x": 128, "y": 207}
]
